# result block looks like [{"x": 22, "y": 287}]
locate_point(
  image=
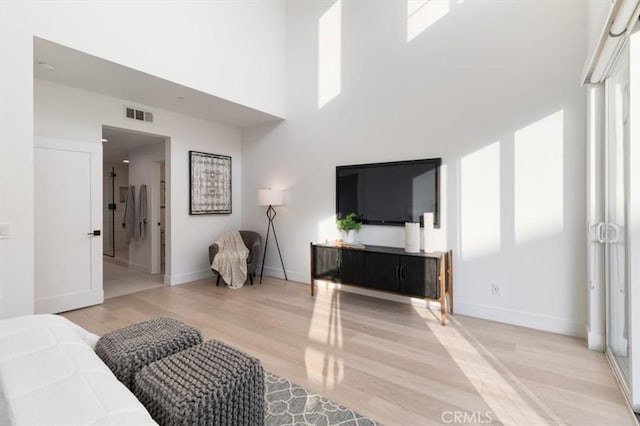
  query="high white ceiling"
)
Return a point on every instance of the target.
[
  {"x": 120, "y": 142},
  {"x": 83, "y": 71}
]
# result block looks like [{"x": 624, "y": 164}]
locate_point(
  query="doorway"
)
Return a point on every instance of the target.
[{"x": 133, "y": 203}]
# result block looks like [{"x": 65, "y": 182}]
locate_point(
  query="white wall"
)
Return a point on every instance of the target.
[
  {"x": 233, "y": 49},
  {"x": 491, "y": 87},
  {"x": 597, "y": 13},
  {"x": 16, "y": 159},
  {"x": 143, "y": 165},
  {"x": 64, "y": 112}
]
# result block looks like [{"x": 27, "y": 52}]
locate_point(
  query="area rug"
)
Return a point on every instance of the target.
[{"x": 290, "y": 404}]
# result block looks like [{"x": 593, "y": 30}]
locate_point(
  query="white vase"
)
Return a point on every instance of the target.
[{"x": 348, "y": 237}]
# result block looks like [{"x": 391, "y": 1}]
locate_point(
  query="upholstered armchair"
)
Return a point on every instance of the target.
[{"x": 253, "y": 241}]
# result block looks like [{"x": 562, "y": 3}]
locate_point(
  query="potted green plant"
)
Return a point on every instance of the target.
[{"x": 347, "y": 225}]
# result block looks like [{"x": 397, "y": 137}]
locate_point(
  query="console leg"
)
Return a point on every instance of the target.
[
  {"x": 450, "y": 282},
  {"x": 313, "y": 266},
  {"x": 443, "y": 291}
]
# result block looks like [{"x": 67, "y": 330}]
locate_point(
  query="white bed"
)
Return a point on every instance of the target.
[{"x": 50, "y": 375}]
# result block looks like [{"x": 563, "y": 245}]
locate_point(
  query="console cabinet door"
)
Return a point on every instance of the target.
[
  {"x": 418, "y": 276},
  {"x": 412, "y": 274},
  {"x": 431, "y": 284},
  {"x": 383, "y": 271},
  {"x": 353, "y": 267},
  {"x": 326, "y": 265}
]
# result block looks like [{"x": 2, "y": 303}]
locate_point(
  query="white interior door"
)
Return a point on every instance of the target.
[{"x": 68, "y": 208}]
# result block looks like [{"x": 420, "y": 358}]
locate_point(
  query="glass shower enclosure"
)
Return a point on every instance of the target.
[{"x": 109, "y": 212}]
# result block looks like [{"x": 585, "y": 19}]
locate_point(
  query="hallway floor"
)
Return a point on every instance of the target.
[{"x": 119, "y": 280}]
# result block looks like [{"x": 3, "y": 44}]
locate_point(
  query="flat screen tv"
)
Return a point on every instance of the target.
[{"x": 389, "y": 193}]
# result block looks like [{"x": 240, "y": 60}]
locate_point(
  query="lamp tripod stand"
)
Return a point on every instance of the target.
[{"x": 271, "y": 213}]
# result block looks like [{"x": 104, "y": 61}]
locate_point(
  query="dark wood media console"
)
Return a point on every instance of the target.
[{"x": 390, "y": 269}]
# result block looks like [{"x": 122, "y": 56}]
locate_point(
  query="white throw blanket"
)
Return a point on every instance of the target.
[{"x": 231, "y": 260}]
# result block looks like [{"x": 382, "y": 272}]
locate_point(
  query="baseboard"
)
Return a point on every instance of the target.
[
  {"x": 595, "y": 341},
  {"x": 522, "y": 318},
  {"x": 187, "y": 277},
  {"x": 68, "y": 302},
  {"x": 291, "y": 275}
]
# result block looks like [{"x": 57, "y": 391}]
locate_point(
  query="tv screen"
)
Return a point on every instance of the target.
[{"x": 389, "y": 193}]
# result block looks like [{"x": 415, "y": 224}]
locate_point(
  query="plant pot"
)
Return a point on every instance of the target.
[{"x": 348, "y": 237}]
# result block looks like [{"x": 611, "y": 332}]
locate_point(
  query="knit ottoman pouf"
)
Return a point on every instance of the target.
[
  {"x": 208, "y": 384},
  {"x": 127, "y": 350}
]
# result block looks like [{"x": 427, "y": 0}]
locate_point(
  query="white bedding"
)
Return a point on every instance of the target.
[{"x": 50, "y": 375}]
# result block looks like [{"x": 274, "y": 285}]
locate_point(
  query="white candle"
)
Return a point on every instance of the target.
[{"x": 411, "y": 237}]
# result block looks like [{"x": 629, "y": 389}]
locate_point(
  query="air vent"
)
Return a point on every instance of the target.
[{"x": 137, "y": 114}]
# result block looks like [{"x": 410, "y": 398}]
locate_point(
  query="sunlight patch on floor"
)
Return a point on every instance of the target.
[
  {"x": 322, "y": 358},
  {"x": 501, "y": 390}
]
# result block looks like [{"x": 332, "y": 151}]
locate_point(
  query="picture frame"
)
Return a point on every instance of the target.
[{"x": 209, "y": 183}]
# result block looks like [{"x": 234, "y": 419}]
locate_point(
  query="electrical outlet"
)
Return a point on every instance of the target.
[{"x": 495, "y": 289}]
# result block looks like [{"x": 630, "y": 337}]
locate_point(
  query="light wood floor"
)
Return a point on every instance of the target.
[
  {"x": 392, "y": 362},
  {"x": 119, "y": 280}
]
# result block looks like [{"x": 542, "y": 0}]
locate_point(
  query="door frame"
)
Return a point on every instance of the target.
[
  {"x": 633, "y": 219},
  {"x": 631, "y": 390}
]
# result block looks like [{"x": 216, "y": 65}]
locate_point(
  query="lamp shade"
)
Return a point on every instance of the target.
[{"x": 270, "y": 197}]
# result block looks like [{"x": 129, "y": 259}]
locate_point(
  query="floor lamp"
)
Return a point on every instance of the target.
[{"x": 271, "y": 197}]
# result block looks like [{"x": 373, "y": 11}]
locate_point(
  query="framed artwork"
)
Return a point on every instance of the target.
[{"x": 209, "y": 183}]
